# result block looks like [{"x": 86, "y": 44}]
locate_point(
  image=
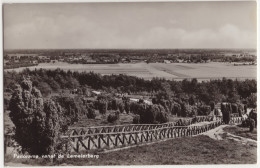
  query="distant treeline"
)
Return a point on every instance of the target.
[
  {"x": 18, "y": 65},
  {"x": 30, "y": 51}
]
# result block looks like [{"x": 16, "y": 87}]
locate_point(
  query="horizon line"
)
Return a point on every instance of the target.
[{"x": 129, "y": 49}]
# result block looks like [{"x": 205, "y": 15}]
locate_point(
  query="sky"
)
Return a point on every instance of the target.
[{"x": 135, "y": 25}]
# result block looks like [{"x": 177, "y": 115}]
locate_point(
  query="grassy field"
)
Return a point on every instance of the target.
[
  {"x": 178, "y": 71},
  {"x": 207, "y": 70},
  {"x": 243, "y": 132},
  {"x": 189, "y": 150}
]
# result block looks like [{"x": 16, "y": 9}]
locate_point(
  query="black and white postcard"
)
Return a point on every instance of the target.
[{"x": 130, "y": 83}]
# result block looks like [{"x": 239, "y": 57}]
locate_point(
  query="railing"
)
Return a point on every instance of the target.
[
  {"x": 237, "y": 120},
  {"x": 107, "y": 137},
  {"x": 134, "y": 127},
  {"x": 116, "y": 128},
  {"x": 80, "y": 143},
  {"x": 121, "y": 136}
]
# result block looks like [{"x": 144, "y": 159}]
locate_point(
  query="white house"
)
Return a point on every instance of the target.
[{"x": 96, "y": 92}]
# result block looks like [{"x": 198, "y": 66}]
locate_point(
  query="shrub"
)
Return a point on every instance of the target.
[
  {"x": 109, "y": 105},
  {"x": 37, "y": 123},
  {"x": 114, "y": 104},
  {"x": 137, "y": 108},
  {"x": 121, "y": 107},
  {"x": 149, "y": 115},
  {"x": 204, "y": 110},
  {"x": 91, "y": 113},
  {"x": 252, "y": 101},
  {"x": 226, "y": 112},
  {"x": 113, "y": 117},
  {"x": 102, "y": 106},
  {"x": 194, "y": 111},
  {"x": 253, "y": 115},
  {"x": 251, "y": 124},
  {"x": 176, "y": 109},
  {"x": 216, "y": 112},
  {"x": 184, "y": 110},
  {"x": 245, "y": 108},
  {"x": 127, "y": 107},
  {"x": 136, "y": 119},
  {"x": 234, "y": 108},
  {"x": 212, "y": 105},
  {"x": 188, "y": 110},
  {"x": 154, "y": 114},
  {"x": 245, "y": 123},
  {"x": 184, "y": 122},
  {"x": 240, "y": 110},
  {"x": 165, "y": 104},
  {"x": 162, "y": 117},
  {"x": 141, "y": 101},
  {"x": 72, "y": 108}
]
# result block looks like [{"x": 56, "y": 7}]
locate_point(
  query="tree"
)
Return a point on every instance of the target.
[
  {"x": 136, "y": 119},
  {"x": 45, "y": 88},
  {"x": 234, "y": 108},
  {"x": 91, "y": 113},
  {"x": 102, "y": 106},
  {"x": 253, "y": 115},
  {"x": 37, "y": 123},
  {"x": 154, "y": 114},
  {"x": 252, "y": 103},
  {"x": 113, "y": 117},
  {"x": 114, "y": 104},
  {"x": 212, "y": 105},
  {"x": 121, "y": 107},
  {"x": 176, "y": 109},
  {"x": 127, "y": 107},
  {"x": 226, "y": 112},
  {"x": 72, "y": 108},
  {"x": 204, "y": 110}
]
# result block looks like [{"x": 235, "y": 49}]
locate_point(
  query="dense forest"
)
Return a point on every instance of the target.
[{"x": 191, "y": 91}]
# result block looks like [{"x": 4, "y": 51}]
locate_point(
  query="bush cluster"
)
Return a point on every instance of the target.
[
  {"x": 37, "y": 123},
  {"x": 113, "y": 117}
]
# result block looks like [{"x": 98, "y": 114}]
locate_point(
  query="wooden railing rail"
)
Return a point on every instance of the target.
[
  {"x": 133, "y": 127},
  {"x": 121, "y": 139}
]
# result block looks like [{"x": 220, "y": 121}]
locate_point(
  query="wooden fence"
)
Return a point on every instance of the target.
[
  {"x": 117, "y": 136},
  {"x": 135, "y": 127}
]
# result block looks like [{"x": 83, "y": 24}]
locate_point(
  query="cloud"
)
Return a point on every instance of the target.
[
  {"x": 227, "y": 36},
  {"x": 81, "y": 32},
  {"x": 131, "y": 25}
]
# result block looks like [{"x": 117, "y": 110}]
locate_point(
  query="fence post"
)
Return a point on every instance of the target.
[{"x": 135, "y": 138}]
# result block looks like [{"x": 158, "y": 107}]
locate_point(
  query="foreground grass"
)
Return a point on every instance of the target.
[
  {"x": 241, "y": 131},
  {"x": 189, "y": 150}
]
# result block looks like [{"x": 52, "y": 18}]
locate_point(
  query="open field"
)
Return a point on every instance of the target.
[
  {"x": 207, "y": 70},
  {"x": 178, "y": 71}
]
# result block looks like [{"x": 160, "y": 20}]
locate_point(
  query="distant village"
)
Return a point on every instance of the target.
[{"x": 16, "y": 60}]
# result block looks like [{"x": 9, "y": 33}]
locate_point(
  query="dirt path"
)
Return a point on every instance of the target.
[{"x": 219, "y": 134}]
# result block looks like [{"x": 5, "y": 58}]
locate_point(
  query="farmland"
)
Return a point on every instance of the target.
[{"x": 177, "y": 71}]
